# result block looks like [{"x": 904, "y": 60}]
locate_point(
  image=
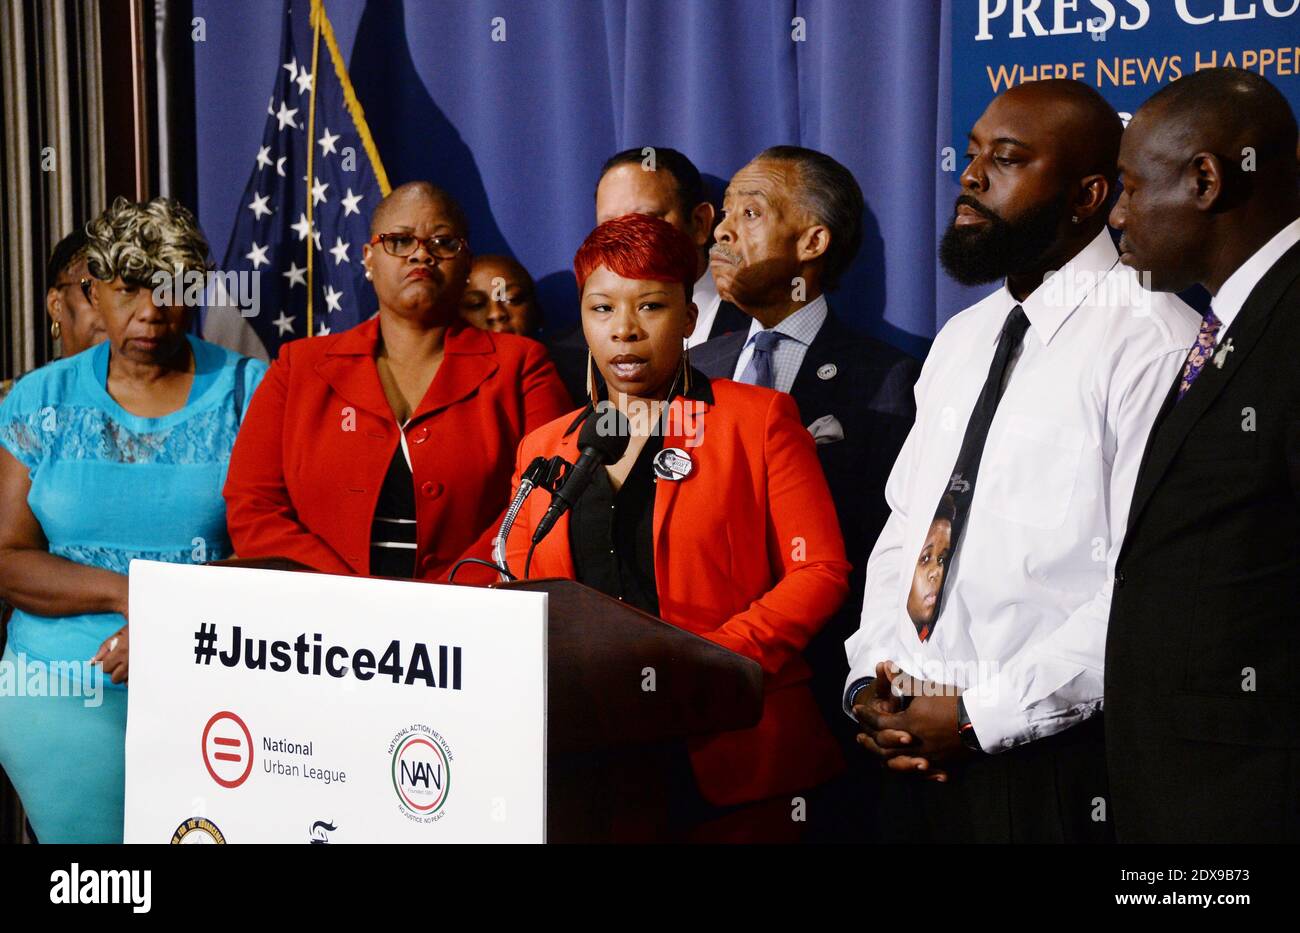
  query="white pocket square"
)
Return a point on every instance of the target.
[{"x": 826, "y": 430}]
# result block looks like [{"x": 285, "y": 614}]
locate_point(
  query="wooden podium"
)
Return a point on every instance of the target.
[{"x": 624, "y": 690}]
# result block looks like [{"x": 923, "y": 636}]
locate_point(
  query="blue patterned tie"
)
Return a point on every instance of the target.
[{"x": 759, "y": 371}]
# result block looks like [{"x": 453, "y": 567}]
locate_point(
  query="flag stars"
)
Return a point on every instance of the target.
[
  {"x": 318, "y": 191},
  {"x": 257, "y": 255},
  {"x": 285, "y": 116},
  {"x": 296, "y": 275},
  {"x": 279, "y": 165},
  {"x": 302, "y": 227},
  {"x": 291, "y": 67},
  {"x": 323, "y": 330},
  {"x": 333, "y": 299},
  {"x": 284, "y": 323},
  {"x": 350, "y": 203},
  {"x": 304, "y": 80},
  {"x": 259, "y": 208},
  {"x": 340, "y": 251},
  {"x": 264, "y": 156},
  {"x": 327, "y": 142}
]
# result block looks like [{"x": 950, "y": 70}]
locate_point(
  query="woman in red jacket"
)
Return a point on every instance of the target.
[
  {"x": 717, "y": 519},
  {"x": 385, "y": 450}
]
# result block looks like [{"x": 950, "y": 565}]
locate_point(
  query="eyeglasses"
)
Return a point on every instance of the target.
[{"x": 404, "y": 244}]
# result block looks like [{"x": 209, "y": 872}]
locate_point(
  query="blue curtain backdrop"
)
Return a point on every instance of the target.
[{"x": 517, "y": 130}]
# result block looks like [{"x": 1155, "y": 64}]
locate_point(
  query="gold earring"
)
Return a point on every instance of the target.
[
  {"x": 56, "y": 329},
  {"x": 591, "y": 379}
]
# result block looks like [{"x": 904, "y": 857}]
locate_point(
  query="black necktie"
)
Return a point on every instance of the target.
[{"x": 941, "y": 541}]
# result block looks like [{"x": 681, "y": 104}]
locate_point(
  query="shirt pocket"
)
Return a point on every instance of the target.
[{"x": 1029, "y": 470}]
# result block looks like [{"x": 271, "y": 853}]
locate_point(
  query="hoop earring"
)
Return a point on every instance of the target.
[
  {"x": 591, "y": 380},
  {"x": 56, "y": 329}
]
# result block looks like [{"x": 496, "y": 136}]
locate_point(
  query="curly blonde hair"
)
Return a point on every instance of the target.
[{"x": 133, "y": 240}]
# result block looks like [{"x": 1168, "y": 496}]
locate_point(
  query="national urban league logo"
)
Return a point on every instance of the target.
[
  {"x": 198, "y": 831},
  {"x": 421, "y": 771},
  {"x": 320, "y": 830},
  {"x": 227, "y": 749}
]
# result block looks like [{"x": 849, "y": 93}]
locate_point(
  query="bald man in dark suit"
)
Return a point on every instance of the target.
[{"x": 1202, "y": 670}]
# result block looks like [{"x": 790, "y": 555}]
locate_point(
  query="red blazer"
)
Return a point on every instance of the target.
[
  {"x": 309, "y": 461},
  {"x": 748, "y": 554}
]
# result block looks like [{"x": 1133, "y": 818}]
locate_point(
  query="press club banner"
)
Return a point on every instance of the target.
[
  {"x": 1127, "y": 49},
  {"x": 266, "y": 706}
]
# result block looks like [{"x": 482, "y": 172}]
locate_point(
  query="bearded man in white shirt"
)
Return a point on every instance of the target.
[{"x": 1033, "y": 410}]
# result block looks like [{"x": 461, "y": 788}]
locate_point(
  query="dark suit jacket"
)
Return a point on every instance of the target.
[
  {"x": 1203, "y": 648},
  {"x": 868, "y": 389}
]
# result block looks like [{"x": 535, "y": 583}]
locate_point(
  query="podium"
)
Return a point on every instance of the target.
[{"x": 625, "y": 691}]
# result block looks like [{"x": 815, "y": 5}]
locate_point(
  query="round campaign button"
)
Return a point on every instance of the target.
[
  {"x": 827, "y": 371},
  {"x": 673, "y": 463}
]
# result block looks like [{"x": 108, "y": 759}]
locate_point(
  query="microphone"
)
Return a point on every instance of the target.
[
  {"x": 527, "y": 483},
  {"x": 602, "y": 441}
]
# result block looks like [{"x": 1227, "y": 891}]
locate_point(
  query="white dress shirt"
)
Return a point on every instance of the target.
[
  {"x": 707, "y": 300},
  {"x": 1022, "y": 623},
  {"x": 1237, "y": 287},
  {"x": 802, "y": 328}
]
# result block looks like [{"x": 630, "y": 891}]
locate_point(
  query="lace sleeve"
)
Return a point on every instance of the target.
[{"x": 21, "y": 432}]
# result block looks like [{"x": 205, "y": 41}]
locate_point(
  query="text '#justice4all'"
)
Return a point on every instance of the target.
[{"x": 312, "y": 658}]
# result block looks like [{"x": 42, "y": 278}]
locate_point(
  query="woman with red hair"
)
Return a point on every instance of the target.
[{"x": 716, "y": 519}]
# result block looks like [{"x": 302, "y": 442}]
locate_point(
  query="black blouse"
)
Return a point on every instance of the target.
[
  {"x": 611, "y": 534},
  {"x": 392, "y": 532}
]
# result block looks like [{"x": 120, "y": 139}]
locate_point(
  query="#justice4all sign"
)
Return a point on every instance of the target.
[{"x": 266, "y": 706}]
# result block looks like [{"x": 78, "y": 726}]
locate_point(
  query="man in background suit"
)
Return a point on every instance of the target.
[
  {"x": 663, "y": 183},
  {"x": 1202, "y": 673},
  {"x": 792, "y": 225}
]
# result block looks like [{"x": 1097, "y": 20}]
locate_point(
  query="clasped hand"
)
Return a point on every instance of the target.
[{"x": 915, "y": 739}]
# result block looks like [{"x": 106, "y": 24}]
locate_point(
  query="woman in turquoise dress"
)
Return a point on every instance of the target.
[{"x": 116, "y": 453}]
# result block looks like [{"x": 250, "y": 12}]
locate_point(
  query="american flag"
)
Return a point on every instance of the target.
[{"x": 275, "y": 227}]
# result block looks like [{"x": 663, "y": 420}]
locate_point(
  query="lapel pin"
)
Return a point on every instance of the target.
[
  {"x": 673, "y": 463},
  {"x": 827, "y": 371},
  {"x": 1221, "y": 355}
]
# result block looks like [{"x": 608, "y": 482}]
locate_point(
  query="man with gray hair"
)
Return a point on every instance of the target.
[{"x": 792, "y": 225}]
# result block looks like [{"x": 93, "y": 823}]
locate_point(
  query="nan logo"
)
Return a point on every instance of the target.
[
  {"x": 421, "y": 772},
  {"x": 105, "y": 886},
  {"x": 198, "y": 831}
]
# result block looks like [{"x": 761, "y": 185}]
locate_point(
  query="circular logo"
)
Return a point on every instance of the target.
[
  {"x": 227, "y": 749},
  {"x": 421, "y": 772},
  {"x": 198, "y": 831},
  {"x": 673, "y": 463}
]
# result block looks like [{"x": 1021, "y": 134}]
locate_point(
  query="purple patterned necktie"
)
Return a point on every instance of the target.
[{"x": 1202, "y": 350}]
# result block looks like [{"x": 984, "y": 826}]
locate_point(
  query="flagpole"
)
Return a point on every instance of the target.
[{"x": 317, "y": 14}]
